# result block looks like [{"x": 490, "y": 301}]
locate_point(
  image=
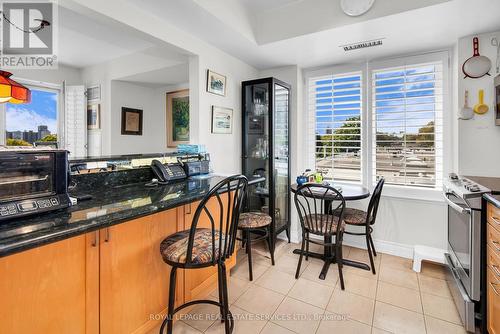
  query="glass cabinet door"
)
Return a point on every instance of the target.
[
  {"x": 281, "y": 157},
  {"x": 256, "y": 153}
]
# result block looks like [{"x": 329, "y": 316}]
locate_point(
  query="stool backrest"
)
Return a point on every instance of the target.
[
  {"x": 371, "y": 214},
  {"x": 320, "y": 208},
  {"x": 221, "y": 216}
]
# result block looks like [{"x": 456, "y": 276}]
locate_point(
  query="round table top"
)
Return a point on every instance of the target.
[{"x": 351, "y": 192}]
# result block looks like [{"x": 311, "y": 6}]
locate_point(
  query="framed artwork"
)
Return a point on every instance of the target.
[
  {"x": 93, "y": 116},
  {"x": 256, "y": 125},
  {"x": 178, "y": 118},
  {"x": 216, "y": 83},
  {"x": 131, "y": 121},
  {"x": 222, "y": 120}
]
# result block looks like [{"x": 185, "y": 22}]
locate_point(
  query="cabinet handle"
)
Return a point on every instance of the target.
[
  {"x": 496, "y": 245},
  {"x": 495, "y": 220},
  {"x": 495, "y": 270},
  {"x": 494, "y": 289},
  {"x": 94, "y": 242},
  {"x": 107, "y": 235}
]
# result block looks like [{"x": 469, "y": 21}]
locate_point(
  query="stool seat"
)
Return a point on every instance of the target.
[
  {"x": 174, "y": 248},
  {"x": 254, "y": 220},
  {"x": 354, "y": 216}
]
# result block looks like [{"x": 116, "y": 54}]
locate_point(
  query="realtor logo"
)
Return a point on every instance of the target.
[{"x": 28, "y": 34}]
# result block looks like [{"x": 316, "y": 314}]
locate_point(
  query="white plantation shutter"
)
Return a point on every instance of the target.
[
  {"x": 407, "y": 124},
  {"x": 335, "y": 110},
  {"x": 75, "y": 121}
]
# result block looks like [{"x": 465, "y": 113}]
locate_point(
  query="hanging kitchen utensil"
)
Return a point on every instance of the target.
[
  {"x": 494, "y": 42},
  {"x": 476, "y": 66},
  {"x": 481, "y": 108},
  {"x": 466, "y": 112}
]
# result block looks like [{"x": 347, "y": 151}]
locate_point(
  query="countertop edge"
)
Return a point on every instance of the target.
[{"x": 492, "y": 199}]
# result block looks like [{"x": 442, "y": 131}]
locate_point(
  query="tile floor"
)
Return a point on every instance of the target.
[{"x": 396, "y": 300}]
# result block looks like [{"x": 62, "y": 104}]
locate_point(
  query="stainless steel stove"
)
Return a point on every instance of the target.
[{"x": 464, "y": 198}]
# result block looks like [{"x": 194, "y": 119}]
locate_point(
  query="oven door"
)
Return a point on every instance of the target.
[{"x": 464, "y": 243}]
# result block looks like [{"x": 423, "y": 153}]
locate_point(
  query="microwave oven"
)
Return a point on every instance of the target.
[{"x": 32, "y": 181}]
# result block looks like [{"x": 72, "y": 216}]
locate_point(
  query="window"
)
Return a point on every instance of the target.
[
  {"x": 36, "y": 122},
  {"x": 335, "y": 102},
  {"x": 407, "y": 124}
]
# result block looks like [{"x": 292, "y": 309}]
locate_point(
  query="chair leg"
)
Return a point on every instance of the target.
[
  {"x": 171, "y": 303},
  {"x": 297, "y": 273},
  {"x": 369, "y": 247},
  {"x": 373, "y": 246},
  {"x": 288, "y": 234},
  {"x": 340, "y": 264},
  {"x": 307, "y": 247},
  {"x": 270, "y": 245},
  {"x": 249, "y": 253},
  {"x": 225, "y": 297},
  {"x": 221, "y": 292}
]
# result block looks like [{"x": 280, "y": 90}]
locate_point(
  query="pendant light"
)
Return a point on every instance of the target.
[{"x": 12, "y": 91}]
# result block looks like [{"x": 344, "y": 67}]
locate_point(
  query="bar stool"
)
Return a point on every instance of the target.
[
  {"x": 207, "y": 247},
  {"x": 356, "y": 217},
  {"x": 255, "y": 222}
]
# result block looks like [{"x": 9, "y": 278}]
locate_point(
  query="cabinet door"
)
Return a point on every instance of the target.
[
  {"x": 134, "y": 280},
  {"x": 493, "y": 295},
  {"x": 44, "y": 290}
]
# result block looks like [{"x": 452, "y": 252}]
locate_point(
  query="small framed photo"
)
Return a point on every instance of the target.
[
  {"x": 222, "y": 120},
  {"x": 216, "y": 83},
  {"x": 131, "y": 121},
  {"x": 93, "y": 116}
]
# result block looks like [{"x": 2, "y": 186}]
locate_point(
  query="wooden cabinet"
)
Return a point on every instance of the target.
[
  {"x": 493, "y": 272},
  {"x": 51, "y": 289}
]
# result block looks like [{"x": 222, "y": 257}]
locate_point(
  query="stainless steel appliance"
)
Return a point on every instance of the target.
[
  {"x": 32, "y": 181},
  {"x": 463, "y": 197}
]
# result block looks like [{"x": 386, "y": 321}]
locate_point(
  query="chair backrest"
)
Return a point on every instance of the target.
[
  {"x": 320, "y": 208},
  {"x": 371, "y": 214},
  {"x": 222, "y": 216}
]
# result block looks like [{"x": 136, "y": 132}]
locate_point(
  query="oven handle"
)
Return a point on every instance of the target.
[
  {"x": 455, "y": 206},
  {"x": 24, "y": 181}
]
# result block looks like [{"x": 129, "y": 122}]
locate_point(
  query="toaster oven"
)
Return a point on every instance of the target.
[{"x": 32, "y": 181}]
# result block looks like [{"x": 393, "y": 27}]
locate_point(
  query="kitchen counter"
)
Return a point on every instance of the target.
[
  {"x": 110, "y": 205},
  {"x": 493, "y": 199}
]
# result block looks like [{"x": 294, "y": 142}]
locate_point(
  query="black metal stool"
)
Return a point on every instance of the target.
[
  {"x": 255, "y": 222},
  {"x": 206, "y": 247}
]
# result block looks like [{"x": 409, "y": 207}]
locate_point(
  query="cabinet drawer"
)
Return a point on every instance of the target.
[
  {"x": 493, "y": 303},
  {"x": 493, "y": 238},
  {"x": 493, "y": 216},
  {"x": 493, "y": 261}
]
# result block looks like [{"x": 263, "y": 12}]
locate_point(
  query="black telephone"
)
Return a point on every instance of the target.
[{"x": 166, "y": 173}]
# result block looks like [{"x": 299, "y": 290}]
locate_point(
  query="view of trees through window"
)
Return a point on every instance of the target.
[{"x": 36, "y": 122}]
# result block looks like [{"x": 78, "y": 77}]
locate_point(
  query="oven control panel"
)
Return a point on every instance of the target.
[{"x": 22, "y": 208}]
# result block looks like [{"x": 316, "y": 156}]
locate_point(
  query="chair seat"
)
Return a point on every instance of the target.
[
  {"x": 174, "y": 248},
  {"x": 318, "y": 223},
  {"x": 354, "y": 216},
  {"x": 254, "y": 220}
]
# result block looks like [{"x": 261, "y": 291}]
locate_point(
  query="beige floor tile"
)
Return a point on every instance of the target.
[
  {"x": 288, "y": 264},
  {"x": 379, "y": 331},
  {"x": 276, "y": 280},
  {"x": 353, "y": 306},
  {"x": 258, "y": 300},
  {"x": 240, "y": 270},
  {"x": 363, "y": 272},
  {"x": 397, "y": 320},
  {"x": 397, "y": 262},
  {"x": 245, "y": 323},
  {"x": 298, "y": 316},
  {"x": 344, "y": 326},
  {"x": 359, "y": 254},
  {"x": 235, "y": 288},
  {"x": 202, "y": 316},
  {"x": 433, "y": 270},
  {"x": 359, "y": 285},
  {"x": 441, "y": 308},
  {"x": 314, "y": 269},
  {"x": 407, "y": 279},
  {"x": 271, "y": 328},
  {"x": 436, "y": 326},
  {"x": 179, "y": 328},
  {"x": 399, "y": 296},
  {"x": 434, "y": 286},
  {"x": 311, "y": 292}
]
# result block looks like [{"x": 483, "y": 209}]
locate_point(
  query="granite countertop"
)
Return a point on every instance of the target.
[{"x": 109, "y": 206}]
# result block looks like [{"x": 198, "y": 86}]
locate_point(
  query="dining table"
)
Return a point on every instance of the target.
[{"x": 350, "y": 192}]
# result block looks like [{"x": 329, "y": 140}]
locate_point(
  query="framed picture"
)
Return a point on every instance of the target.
[
  {"x": 93, "y": 116},
  {"x": 178, "y": 118},
  {"x": 131, "y": 121},
  {"x": 216, "y": 83},
  {"x": 256, "y": 125},
  {"x": 222, "y": 120}
]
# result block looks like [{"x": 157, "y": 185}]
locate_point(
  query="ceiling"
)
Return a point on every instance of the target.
[
  {"x": 310, "y": 33},
  {"x": 173, "y": 75}
]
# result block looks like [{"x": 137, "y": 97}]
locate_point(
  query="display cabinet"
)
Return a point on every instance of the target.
[{"x": 266, "y": 147}]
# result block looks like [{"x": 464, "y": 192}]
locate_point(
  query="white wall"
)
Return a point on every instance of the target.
[
  {"x": 71, "y": 75},
  {"x": 479, "y": 138}
]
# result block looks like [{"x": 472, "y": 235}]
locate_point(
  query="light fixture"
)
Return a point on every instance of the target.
[
  {"x": 356, "y": 7},
  {"x": 12, "y": 91}
]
